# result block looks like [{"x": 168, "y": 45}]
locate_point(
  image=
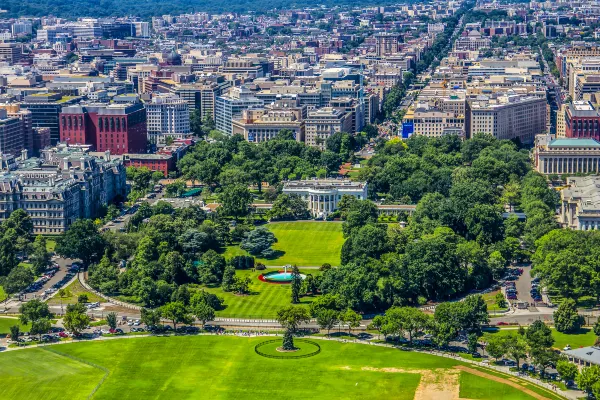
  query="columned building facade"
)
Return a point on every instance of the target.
[
  {"x": 566, "y": 156},
  {"x": 322, "y": 196}
]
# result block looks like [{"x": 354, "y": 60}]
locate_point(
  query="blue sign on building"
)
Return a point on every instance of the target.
[
  {"x": 251, "y": 137},
  {"x": 408, "y": 128}
]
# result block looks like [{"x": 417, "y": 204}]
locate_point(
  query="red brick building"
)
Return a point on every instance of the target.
[
  {"x": 582, "y": 120},
  {"x": 154, "y": 162},
  {"x": 119, "y": 128}
]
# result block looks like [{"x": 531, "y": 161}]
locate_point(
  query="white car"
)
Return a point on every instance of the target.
[{"x": 136, "y": 323}]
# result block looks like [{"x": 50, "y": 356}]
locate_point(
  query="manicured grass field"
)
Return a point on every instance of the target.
[
  {"x": 2, "y": 294},
  {"x": 224, "y": 367},
  {"x": 490, "y": 300},
  {"x": 265, "y": 298},
  {"x": 39, "y": 374},
  {"x": 302, "y": 243},
  {"x": 585, "y": 337},
  {"x": 50, "y": 244},
  {"x": 75, "y": 289},
  {"x": 7, "y": 322},
  {"x": 475, "y": 387}
]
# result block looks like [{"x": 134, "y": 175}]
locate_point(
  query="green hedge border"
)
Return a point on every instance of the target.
[{"x": 291, "y": 356}]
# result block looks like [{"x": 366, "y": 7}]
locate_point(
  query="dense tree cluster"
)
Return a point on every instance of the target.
[
  {"x": 457, "y": 239},
  {"x": 568, "y": 263},
  {"x": 18, "y": 243}
]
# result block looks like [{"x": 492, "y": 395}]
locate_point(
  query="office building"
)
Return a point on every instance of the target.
[
  {"x": 168, "y": 116},
  {"x": 11, "y": 134},
  {"x": 566, "y": 156},
  {"x": 582, "y": 120},
  {"x": 11, "y": 52},
  {"x": 322, "y": 123},
  {"x": 230, "y": 107},
  {"x": 386, "y": 43},
  {"x": 45, "y": 110},
  {"x": 64, "y": 184},
  {"x": 507, "y": 117},
  {"x": 118, "y": 128},
  {"x": 580, "y": 203},
  {"x": 260, "y": 125}
]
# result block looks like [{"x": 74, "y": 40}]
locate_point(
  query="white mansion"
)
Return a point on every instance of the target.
[{"x": 323, "y": 195}]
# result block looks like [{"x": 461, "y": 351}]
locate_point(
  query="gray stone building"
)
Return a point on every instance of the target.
[{"x": 64, "y": 184}]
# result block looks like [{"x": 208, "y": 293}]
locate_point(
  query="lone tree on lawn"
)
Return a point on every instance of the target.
[
  {"x": 327, "y": 319},
  {"x": 177, "y": 313},
  {"x": 290, "y": 318}
]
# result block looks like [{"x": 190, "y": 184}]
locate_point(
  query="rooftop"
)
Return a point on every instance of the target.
[{"x": 574, "y": 142}]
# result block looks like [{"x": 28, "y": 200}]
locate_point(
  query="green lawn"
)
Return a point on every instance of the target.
[
  {"x": 585, "y": 337},
  {"x": 490, "y": 300},
  {"x": 475, "y": 387},
  {"x": 75, "y": 289},
  {"x": 263, "y": 302},
  {"x": 7, "y": 322},
  {"x": 2, "y": 294},
  {"x": 223, "y": 367},
  {"x": 50, "y": 244},
  {"x": 302, "y": 243}
]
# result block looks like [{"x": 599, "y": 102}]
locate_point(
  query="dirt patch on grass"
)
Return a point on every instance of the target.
[{"x": 501, "y": 380}]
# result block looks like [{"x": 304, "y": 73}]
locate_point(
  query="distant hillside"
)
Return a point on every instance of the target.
[{"x": 149, "y": 8}]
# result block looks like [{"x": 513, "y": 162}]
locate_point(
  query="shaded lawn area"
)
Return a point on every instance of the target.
[
  {"x": 302, "y": 243},
  {"x": 7, "y": 322},
  {"x": 475, "y": 387},
  {"x": 584, "y": 337},
  {"x": 75, "y": 289},
  {"x": 2, "y": 294},
  {"x": 211, "y": 367},
  {"x": 490, "y": 301},
  {"x": 264, "y": 299},
  {"x": 50, "y": 244}
]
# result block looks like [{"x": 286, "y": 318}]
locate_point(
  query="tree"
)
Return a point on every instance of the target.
[
  {"x": 288, "y": 207},
  {"x": 588, "y": 377},
  {"x": 40, "y": 257},
  {"x": 241, "y": 285},
  {"x": 15, "y": 331},
  {"x": 211, "y": 267},
  {"x": 377, "y": 323},
  {"x": 327, "y": 319},
  {"x": 472, "y": 342},
  {"x": 83, "y": 298},
  {"x": 566, "y": 318},
  {"x": 296, "y": 284},
  {"x": 413, "y": 320},
  {"x": 40, "y": 327},
  {"x": 359, "y": 214},
  {"x": 496, "y": 346},
  {"x": 500, "y": 300},
  {"x": 258, "y": 242},
  {"x": 543, "y": 358},
  {"x": 75, "y": 318},
  {"x": 538, "y": 335},
  {"x": 111, "y": 320},
  {"x": 290, "y": 318},
  {"x": 150, "y": 317},
  {"x": 17, "y": 279},
  {"x": 176, "y": 312},
  {"x": 350, "y": 318},
  {"x": 235, "y": 201},
  {"x": 204, "y": 313},
  {"x": 62, "y": 293},
  {"x": 228, "y": 278},
  {"x": 516, "y": 348},
  {"x": 597, "y": 328},
  {"x": 567, "y": 370},
  {"x": 82, "y": 241},
  {"x": 33, "y": 310}
]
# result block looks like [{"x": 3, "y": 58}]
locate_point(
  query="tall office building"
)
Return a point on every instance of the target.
[
  {"x": 321, "y": 124},
  {"x": 11, "y": 52},
  {"x": 168, "y": 116},
  {"x": 45, "y": 110},
  {"x": 386, "y": 43},
  {"x": 118, "y": 128},
  {"x": 11, "y": 134},
  {"x": 230, "y": 107},
  {"x": 507, "y": 117}
]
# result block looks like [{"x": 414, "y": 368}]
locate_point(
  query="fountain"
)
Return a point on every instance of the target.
[{"x": 282, "y": 277}]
